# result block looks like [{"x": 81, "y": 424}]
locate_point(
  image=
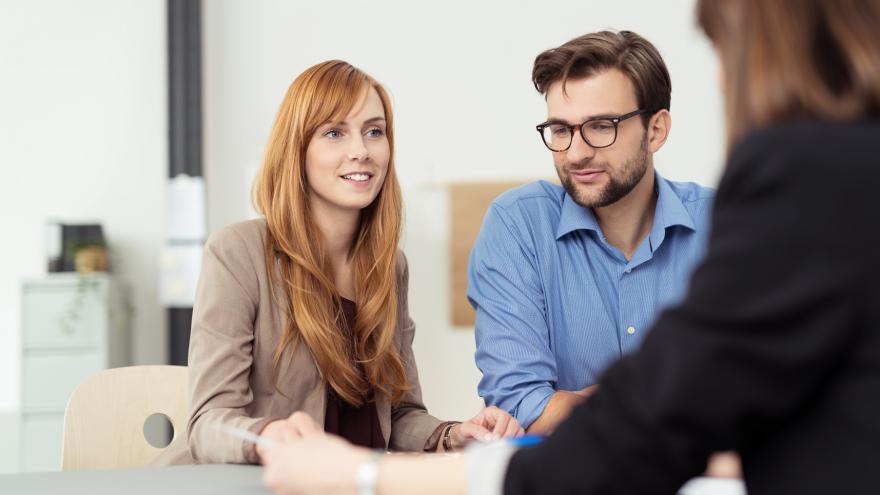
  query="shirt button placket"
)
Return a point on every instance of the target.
[{"x": 629, "y": 302}]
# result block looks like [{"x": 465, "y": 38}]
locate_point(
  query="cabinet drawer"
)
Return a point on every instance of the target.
[
  {"x": 64, "y": 316},
  {"x": 41, "y": 442},
  {"x": 48, "y": 377}
]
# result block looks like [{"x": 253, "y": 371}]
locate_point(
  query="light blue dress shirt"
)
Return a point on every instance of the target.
[{"x": 556, "y": 303}]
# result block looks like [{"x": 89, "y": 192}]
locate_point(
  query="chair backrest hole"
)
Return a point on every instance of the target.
[{"x": 158, "y": 430}]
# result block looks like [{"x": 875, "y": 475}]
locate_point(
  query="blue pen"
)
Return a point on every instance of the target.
[{"x": 526, "y": 440}]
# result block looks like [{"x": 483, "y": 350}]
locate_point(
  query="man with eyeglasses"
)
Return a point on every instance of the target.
[{"x": 567, "y": 279}]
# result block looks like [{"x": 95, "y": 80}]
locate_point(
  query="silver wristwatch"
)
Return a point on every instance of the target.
[{"x": 368, "y": 474}]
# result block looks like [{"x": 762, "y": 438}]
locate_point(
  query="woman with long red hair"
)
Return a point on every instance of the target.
[{"x": 300, "y": 324}]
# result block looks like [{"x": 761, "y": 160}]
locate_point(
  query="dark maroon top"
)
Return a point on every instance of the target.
[{"x": 358, "y": 425}]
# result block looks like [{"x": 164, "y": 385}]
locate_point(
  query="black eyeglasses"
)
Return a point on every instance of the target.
[{"x": 598, "y": 132}]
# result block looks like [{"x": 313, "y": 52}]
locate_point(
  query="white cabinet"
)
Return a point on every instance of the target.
[{"x": 72, "y": 326}]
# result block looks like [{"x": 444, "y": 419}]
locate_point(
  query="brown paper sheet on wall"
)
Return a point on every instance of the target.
[{"x": 468, "y": 202}]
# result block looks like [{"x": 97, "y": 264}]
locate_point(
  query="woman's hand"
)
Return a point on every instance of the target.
[
  {"x": 490, "y": 424},
  {"x": 285, "y": 431},
  {"x": 314, "y": 464}
]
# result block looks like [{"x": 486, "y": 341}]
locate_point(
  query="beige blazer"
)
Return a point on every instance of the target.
[{"x": 236, "y": 328}]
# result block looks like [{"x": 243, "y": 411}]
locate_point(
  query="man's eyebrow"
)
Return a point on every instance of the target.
[{"x": 554, "y": 120}]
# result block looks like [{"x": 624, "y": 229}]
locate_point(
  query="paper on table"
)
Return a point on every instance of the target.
[
  {"x": 181, "y": 258},
  {"x": 246, "y": 436},
  {"x": 185, "y": 208}
]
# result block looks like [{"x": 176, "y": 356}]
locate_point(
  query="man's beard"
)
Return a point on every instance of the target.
[{"x": 620, "y": 183}]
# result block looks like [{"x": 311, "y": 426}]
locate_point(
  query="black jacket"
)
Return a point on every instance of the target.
[{"x": 774, "y": 353}]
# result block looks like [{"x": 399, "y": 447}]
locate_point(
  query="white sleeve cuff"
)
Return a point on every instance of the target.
[{"x": 487, "y": 465}]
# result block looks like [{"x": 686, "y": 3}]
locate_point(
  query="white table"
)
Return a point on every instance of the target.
[
  {"x": 210, "y": 479},
  {"x": 206, "y": 479}
]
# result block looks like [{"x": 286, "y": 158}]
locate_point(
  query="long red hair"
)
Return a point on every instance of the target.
[{"x": 327, "y": 92}]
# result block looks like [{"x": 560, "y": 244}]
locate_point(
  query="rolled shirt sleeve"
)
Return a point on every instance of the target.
[{"x": 512, "y": 333}]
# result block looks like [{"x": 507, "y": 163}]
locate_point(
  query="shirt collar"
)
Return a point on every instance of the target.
[
  {"x": 669, "y": 212},
  {"x": 575, "y": 217}
]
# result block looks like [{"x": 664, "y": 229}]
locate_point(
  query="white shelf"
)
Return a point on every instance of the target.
[{"x": 72, "y": 326}]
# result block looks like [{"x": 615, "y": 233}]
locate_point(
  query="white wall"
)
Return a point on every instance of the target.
[
  {"x": 450, "y": 66},
  {"x": 83, "y": 119},
  {"x": 83, "y": 125}
]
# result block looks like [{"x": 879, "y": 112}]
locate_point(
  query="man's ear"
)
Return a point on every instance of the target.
[{"x": 659, "y": 126}]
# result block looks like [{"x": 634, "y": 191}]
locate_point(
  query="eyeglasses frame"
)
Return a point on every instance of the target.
[{"x": 614, "y": 120}]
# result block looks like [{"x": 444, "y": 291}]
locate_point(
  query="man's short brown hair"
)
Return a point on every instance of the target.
[{"x": 592, "y": 53}]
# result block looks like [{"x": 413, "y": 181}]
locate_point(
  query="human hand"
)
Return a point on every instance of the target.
[
  {"x": 314, "y": 464},
  {"x": 724, "y": 465},
  {"x": 489, "y": 424},
  {"x": 284, "y": 431}
]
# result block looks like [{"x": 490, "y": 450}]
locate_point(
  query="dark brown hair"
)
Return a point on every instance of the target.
[
  {"x": 792, "y": 59},
  {"x": 591, "y": 53}
]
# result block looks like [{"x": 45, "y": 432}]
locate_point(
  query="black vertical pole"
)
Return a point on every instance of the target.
[{"x": 185, "y": 129}]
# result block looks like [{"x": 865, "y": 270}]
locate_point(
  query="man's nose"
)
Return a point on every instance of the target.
[{"x": 579, "y": 149}]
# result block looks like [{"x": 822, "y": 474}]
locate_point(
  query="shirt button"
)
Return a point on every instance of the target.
[
  {"x": 631, "y": 330},
  {"x": 628, "y": 270}
]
